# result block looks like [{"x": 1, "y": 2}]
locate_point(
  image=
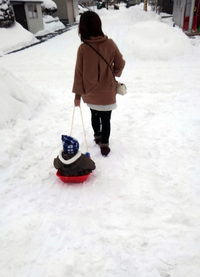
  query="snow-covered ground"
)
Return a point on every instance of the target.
[
  {"x": 16, "y": 37},
  {"x": 138, "y": 214}
]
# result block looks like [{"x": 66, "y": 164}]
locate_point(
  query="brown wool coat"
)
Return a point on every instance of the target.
[{"x": 93, "y": 79}]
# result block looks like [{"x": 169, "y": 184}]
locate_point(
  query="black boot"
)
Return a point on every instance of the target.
[{"x": 105, "y": 150}]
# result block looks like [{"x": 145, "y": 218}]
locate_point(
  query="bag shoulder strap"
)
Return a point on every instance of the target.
[{"x": 101, "y": 57}]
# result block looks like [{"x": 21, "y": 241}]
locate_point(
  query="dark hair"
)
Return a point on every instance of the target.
[{"x": 90, "y": 25}]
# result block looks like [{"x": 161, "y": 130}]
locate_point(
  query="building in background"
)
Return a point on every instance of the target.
[
  {"x": 29, "y": 14},
  {"x": 186, "y": 14},
  {"x": 167, "y": 6},
  {"x": 162, "y": 6},
  {"x": 67, "y": 10}
]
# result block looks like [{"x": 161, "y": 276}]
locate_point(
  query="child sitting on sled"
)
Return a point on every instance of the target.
[{"x": 70, "y": 161}]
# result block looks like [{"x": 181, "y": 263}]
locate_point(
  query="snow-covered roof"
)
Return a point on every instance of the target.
[
  {"x": 25, "y": 1},
  {"x": 49, "y": 4}
]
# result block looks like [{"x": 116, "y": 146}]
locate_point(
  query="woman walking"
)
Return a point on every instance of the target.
[{"x": 93, "y": 80}]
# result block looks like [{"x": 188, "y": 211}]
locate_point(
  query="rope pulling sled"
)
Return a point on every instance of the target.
[{"x": 76, "y": 179}]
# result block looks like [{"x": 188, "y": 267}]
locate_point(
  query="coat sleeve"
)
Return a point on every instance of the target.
[
  {"x": 91, "y": 164},
  {"x": 119, "y": 62},
  {"x": 57, "y": 163},
  {"x": 78, "y": 86},
  {"x": 86, "y": 163}
]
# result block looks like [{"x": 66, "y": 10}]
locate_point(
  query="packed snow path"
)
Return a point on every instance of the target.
[{"x": 139, "y": 213}]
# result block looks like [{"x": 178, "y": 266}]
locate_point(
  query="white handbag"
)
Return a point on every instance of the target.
[{"x": 121, "y": 88}]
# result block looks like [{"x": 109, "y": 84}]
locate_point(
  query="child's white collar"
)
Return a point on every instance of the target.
[{"x": 70, "y": 161}]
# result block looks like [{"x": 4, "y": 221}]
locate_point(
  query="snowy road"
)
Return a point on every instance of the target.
[{"x": 139, "y": 212}]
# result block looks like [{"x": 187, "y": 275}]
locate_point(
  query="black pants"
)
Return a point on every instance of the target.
[{"x": 101, "y": 124}]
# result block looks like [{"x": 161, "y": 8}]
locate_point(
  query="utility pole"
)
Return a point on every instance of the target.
[
  {"x": 191, "y": 16},
  {"x": 145, "y": 5}
]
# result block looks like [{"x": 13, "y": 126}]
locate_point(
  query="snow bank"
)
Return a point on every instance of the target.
[
  {"x": 14, "y": 38},
  {"x": 102, "y": 12},
  {"x": 155, "y": 40},
  {"x": 137, "y": 14},
  {"x": 51, "y": 24},
  {"x": 49, "y": 4},
  {"x": 142, "y": 35},
  {"x": 17, "y": 99}
]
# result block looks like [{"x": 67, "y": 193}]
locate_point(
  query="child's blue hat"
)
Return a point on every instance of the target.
[{"x": 70, "y": 145}]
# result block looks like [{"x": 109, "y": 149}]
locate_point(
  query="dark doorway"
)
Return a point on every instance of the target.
[
  {"x": 197, "y": 9},
  {"x": 20, "y": 15}
]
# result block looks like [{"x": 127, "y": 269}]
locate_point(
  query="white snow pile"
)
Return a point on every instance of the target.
[
  {"x": 51, "y": 24},
  {"x": 15, "y": 37},
  {"x": 145, "y": 36},
  {"x": 155, "y": 40},
  {"x": 18, "y": 99},
  {"x": 49, "y": 4},
  {"x": 137, "y": 14}
]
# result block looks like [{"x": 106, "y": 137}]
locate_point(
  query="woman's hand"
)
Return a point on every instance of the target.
[{"x": 77, "y": 100}]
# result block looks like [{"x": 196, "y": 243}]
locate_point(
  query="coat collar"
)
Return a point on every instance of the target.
[
  {"x": 96, "y": 39},
  {"x": 70, "y": 161}
]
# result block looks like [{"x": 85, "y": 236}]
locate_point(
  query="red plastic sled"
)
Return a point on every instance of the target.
[{"x": 72, "y": 179}]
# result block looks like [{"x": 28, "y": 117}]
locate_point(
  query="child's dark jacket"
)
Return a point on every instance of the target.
[{"x": 73, "y": 165}]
